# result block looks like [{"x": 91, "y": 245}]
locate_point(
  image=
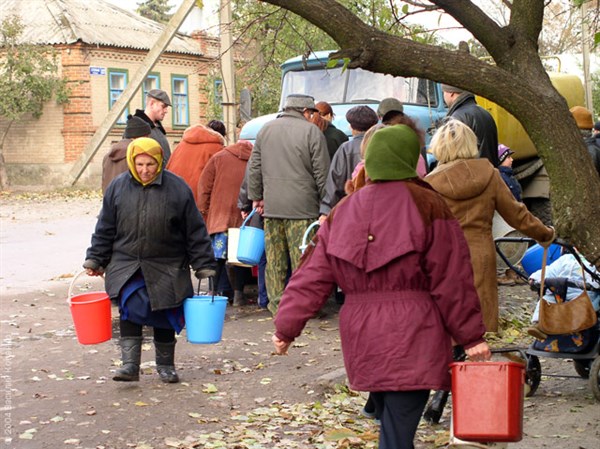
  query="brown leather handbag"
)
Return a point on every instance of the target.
[{"x": 565, "y": 317}]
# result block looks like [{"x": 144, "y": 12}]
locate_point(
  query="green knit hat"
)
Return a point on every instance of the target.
[{"x": 392, "y": 154}]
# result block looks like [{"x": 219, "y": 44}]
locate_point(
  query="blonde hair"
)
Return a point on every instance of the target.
[
  {"x": 454, "y": 140},
  {"x": 368, "y": 134}
]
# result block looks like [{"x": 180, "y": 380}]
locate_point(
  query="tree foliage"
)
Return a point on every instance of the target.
[
  {"x": 157, "y": 10},
  {"x": 274, "y": 35},
  {"x": 28, "y": 79}
]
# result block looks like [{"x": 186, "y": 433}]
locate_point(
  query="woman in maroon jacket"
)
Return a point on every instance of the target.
[{"x": 401, "y": 258}]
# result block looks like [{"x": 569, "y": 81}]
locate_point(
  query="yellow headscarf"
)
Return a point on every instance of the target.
[{"x": 144, "y": 145}]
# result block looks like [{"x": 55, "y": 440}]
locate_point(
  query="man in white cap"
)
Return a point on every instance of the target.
[
  {"x": 157, "y": 105},
  {"x": 286, "y": 181}
]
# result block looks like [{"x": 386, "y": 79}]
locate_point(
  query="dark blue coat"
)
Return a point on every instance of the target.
[
  {"x": 511, "y": 182},
  {"x": 157, "y": 229},
  {"x": 593, "y": 146}
]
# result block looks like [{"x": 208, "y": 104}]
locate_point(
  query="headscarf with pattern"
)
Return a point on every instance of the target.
[{"x": 144, "y": 145}]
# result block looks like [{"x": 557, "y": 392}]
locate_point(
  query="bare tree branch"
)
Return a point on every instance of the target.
[
  {"x": 493, "y": 37},
  {"x": 370, "y": 48}
]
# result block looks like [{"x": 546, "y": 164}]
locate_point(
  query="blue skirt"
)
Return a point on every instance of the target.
[
  {"x": 134, "y": 305},
  {"x": 219, "y": 244}
]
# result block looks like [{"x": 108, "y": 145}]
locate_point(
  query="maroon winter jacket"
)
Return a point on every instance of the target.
[{"x": 402, "y": 260}]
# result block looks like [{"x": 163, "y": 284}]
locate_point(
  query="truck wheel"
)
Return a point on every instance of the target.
[{"x": 541, "y": 208}]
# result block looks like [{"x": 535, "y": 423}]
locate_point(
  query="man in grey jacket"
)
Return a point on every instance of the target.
[{"x": 286, "y": 182}]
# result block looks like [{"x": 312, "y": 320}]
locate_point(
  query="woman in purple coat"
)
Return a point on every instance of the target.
[{"x": 401, "y": 258}]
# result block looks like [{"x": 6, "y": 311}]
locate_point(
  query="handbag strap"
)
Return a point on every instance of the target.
[
  {"x": 544, "y": 262},
  {"x": 543, "y": 280}
]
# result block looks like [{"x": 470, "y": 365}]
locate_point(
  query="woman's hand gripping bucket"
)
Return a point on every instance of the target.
[
  {"x": 91, "y": 315},
  {"x": 251, "y": 244},
  {"x": 205, "y": 316}
]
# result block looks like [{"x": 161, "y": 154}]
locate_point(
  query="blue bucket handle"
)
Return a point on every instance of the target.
[
  {"x": 306, "y": 234},
  {"x": 248, "y": 218}
]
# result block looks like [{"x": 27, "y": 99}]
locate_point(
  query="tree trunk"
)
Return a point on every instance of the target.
[
  {"x": 4, "y": 183},
  {"x": 518, "y": 83}
]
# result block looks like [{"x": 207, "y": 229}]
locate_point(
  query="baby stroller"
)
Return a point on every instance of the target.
[{"x": 586, "y": 355}]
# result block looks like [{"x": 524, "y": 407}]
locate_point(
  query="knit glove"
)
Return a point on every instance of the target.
[
  {"x": 547, "y": 243},
  {"x": 94, "y": 266},
  {"x": 204, "y": 273}
]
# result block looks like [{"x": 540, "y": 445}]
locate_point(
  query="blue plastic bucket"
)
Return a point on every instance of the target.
[
  {"x": 204, "y": 318},
  {"x": 532, "y": 260},
  {"x": 251, "y": 244}
]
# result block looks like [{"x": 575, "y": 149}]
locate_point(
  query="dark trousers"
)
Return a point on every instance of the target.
[
  {"x": 400, "y": 413},
  {"x": 263, "y": 298},
  {"x": 129, "y": 329}
]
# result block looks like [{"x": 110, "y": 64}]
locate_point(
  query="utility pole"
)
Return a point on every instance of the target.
[
  {"x": 117, "y": 109},
  {"x": 228, "y": 72},
  {"x": 585, "y": 50}
]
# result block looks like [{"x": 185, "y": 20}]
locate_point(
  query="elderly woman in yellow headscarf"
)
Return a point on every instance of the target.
[{"x": 149, "y": 233}]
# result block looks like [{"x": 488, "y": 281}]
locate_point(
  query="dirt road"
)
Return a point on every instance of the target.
[{"x": 59, "y": 394}]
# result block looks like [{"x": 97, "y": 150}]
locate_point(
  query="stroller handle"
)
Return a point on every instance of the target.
[
  {"x": 535, "y": 285},
  {"x": 560, "y": 242}
]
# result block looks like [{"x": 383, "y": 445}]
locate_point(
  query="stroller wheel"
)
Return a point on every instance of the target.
[
  {"x": 582, "y": 367},
  {"x": 595, "y": 378},
  {"x": 533, "y": 374}
]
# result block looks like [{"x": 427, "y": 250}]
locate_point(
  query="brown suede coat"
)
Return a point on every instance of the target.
[{"x": 474, "y": 189}]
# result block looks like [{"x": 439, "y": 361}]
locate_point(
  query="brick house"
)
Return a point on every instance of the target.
[{"x": 100, "y": 47}]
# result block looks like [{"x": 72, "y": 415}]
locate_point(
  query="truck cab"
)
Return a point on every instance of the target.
[{"x": 345, "y": 88}]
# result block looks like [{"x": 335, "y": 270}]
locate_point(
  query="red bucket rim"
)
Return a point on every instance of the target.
[{"x": 91, "y": 301}]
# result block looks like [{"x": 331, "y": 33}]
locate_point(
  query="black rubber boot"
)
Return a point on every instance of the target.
[
  {"x": 131, "y": 354},
  {"x": 435, "y": 408},
  {"x": 238, "y": 298},
  {"x": 165, "y": 361}
]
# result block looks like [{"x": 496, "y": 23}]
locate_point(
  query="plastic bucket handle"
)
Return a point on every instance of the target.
[
  {"x": 72, "y": 285},
  {"x": 211, "y": 288},
  {"x": 307, "y": 233},
  {"x": 248, "y": 218}
]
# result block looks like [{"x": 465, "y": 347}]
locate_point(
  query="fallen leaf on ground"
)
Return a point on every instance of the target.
[{"x": 209, "y": 388}]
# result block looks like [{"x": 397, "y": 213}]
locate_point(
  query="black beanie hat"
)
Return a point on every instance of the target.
[{"x": 136, "y": 127}]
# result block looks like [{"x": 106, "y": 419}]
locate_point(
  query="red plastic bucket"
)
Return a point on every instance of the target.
[
  {"x": 487, "y": 401},
  {"x": 91, "y": 315}
]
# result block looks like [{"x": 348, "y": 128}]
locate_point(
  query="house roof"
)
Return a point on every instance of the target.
[{"x": 94, "y": 22}]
